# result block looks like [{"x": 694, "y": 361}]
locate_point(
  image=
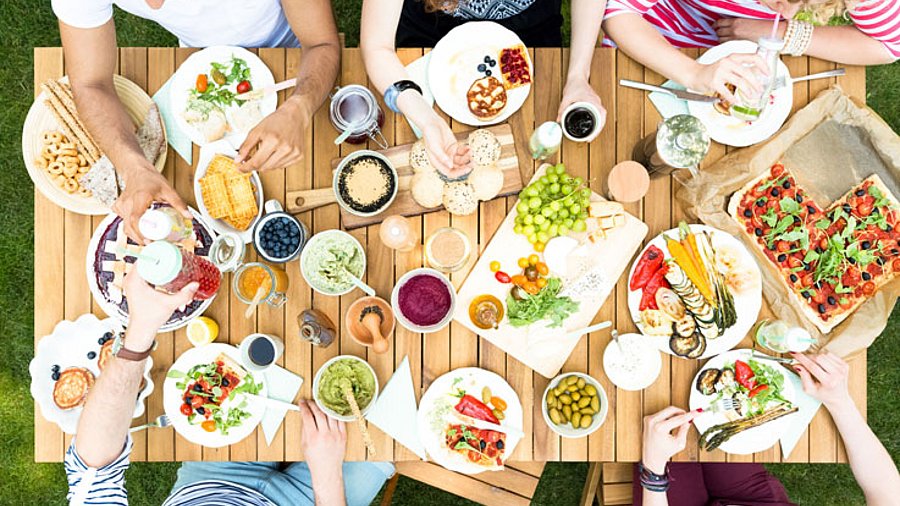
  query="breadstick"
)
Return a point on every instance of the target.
[{"x": 63, "y": 107}]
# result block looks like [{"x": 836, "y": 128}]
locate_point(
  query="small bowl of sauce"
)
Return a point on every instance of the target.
[{"x": 423, "y": 300}]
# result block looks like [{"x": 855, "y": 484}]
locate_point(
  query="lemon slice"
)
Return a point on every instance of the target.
[{"x": 202, "y": 330}]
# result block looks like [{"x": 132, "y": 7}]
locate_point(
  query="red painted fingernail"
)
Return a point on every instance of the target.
[{"x": 699, "y": 410}]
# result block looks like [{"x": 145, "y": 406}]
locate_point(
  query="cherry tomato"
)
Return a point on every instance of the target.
[
  {"x": 244, "y": 87},
  {"x": 495, "y": 266},
  {"x": 782, "y": 246},
  {"x": 523, "y": 262},
  {"x": 202, "y": 83},
  {"x": 491, "y": 436},
  {"x": 864, "y": 209},
  {"x": 531, "y": 273},
  {"x": 895, "y": 264},
  {"x": 209, "y": 425},
  {"x": 197, "y": 401},
  {"x": 541, "y": 282},
  {"x": 777, "y": 169},
  {"x": 186, "y": 409},
  {"x": 533, "y": 259},
  {"x": 531, "y": 288},
  {"x": 539, "y": 247},
  {"x": 502, "y": 277},
  {"x": 519, "y": 279},
  {"x": 498, "y": 403},
  {"x": 542, "y": 268}
]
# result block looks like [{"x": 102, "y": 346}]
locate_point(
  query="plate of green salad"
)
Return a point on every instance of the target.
[
  {"x": 205, "y": 94},
  {"x": 208, "y": 396},
  {"x": 761, "y": 396}
]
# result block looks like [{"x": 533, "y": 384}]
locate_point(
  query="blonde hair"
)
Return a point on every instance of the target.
[
  {"x": 827, "y": 12},
  {"x": 446, "y": 6}
]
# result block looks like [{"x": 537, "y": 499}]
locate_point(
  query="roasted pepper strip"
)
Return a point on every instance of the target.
[
  {"x": 648, "y": 264},
  {"x": 689, "y": 241},
  {"x": 683, "y": 258},
  {"x": 473, "y": 407}
]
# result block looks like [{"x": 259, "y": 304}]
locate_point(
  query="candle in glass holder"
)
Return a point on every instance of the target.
[{"x": 397, "y": 233}]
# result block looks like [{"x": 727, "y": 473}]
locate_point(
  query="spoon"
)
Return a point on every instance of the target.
[
  {"x": 345, "y": 134},
  {"x": 358, "y": 283},
  {"x": 347, "y": 387},
  {"x": 257, "y": 298},
  {"x": 615, "y": 335}
]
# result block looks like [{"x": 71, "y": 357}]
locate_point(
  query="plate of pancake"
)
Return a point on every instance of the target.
[{"x": 67, "y": 364}]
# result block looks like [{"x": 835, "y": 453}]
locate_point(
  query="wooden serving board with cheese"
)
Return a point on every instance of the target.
[
  {"x": 593, "y": 268},
  {"x": 304, "y": 200}
]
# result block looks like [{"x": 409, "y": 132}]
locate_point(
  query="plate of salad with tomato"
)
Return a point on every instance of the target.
[
  {"x": 205, "y": 396},
  {"x": 455, "y": 417},
  {"x": 761, "y": 391}
]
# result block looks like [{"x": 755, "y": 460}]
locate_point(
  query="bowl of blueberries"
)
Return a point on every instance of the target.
[{"x": 278, "y": 236}]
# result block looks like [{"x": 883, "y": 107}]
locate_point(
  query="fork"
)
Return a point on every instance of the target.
[
  {"x": 781, "y": 81},
  {"x": 722, "y": 406},
  {"x": 161, "y": 422}
]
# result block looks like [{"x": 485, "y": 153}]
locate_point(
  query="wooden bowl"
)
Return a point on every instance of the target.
[
  {"x": 40, "y": 119},
  {"x": 358, "y": 331}
]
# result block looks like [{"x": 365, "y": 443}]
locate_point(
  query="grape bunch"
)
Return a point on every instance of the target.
[{"x": 553, "y": 205}]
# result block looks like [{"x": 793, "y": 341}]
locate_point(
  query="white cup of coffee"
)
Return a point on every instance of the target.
[
  {"x": 581, "y": 122},
  {"x": 260, "y": 351}
]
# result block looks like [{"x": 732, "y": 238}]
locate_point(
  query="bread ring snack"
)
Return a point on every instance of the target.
[
  {"x": 56, "y": 167},
  {"x": 71, "y": 186}
]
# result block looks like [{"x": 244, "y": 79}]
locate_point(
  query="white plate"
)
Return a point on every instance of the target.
[
  {"x": 453, "y": 68},
  {"x": 185, "y": 79},
  {"x": 747, "y": 303},
  {"x": 206, "y": 155},
  {"x": 732, "y": 131},
  {"x": 66, "y": 347},
  {"x": 646, "y": 372},
  {"x": 752, "y": 440},
  {"x": 172, "y": 399},
  {"x": 439, "y": 398},
  {"x": 110, "y": 307}
]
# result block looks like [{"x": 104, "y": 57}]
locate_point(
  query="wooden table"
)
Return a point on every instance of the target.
[{"x": 61, "y": 290}]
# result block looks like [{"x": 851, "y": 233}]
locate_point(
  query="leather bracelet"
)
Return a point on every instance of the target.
[{"x": 652, "y": 481}]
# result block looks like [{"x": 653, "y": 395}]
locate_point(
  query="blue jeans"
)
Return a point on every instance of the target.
[{"x": 293, "y": 485}]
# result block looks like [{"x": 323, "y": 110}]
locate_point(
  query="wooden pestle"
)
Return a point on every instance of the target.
[{"x": 372, "y": 322}]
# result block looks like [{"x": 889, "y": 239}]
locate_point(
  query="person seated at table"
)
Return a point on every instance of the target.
[
  {"x": 89, "y": 39},
  {"x": 99, "y": 454},
  {"x": 650, "y": 31},
  {"x": 824, "y": 377},
  {"x": 388, "y": 24}
]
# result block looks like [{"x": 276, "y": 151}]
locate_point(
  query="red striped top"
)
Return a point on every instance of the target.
[{"x": 689, "y": 23}]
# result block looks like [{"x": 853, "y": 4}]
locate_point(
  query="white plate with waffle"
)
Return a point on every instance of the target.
[
  {"x": 208, "y": 155},
  {"x": 106, "y": 268},
  {"x": 472, "y": 54}
]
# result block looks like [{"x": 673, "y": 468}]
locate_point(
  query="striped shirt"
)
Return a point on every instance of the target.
[
  {"x": 689, "y": 23},
  {"x": 106, "y": 485}
]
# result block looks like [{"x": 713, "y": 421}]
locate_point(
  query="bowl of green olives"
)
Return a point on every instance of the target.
[{"x": 574, "y": 405}]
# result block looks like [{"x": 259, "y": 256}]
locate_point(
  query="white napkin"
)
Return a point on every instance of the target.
[
  {"x": 799, "y": 420},
  {"x": 395, "y": 410},
  {"x": 177, "y": 138},
  {"x": 282, "y": 385},
  {"x": 668, "y": 105}
]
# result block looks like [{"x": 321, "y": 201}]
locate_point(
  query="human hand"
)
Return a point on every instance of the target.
[
  {"x": 659, "y": 442},
  {"x": 444, "y": 151},
  {"x": 742, "y": 29},
  {"x": 824, "y": 377},
  {"x": 149, "y": 308},
  {"x": 142, "y": 188},
  {"x": 323, "y": 439},
  {"x": 278, "y": 139},
  {"x": 736, "y": 69},
  {"x": 580, "y": 90}
]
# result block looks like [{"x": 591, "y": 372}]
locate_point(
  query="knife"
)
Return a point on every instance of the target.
[{"x": 684, "y": 95}]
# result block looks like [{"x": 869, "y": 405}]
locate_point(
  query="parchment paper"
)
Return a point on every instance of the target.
[{"x": 830, "y": 145}]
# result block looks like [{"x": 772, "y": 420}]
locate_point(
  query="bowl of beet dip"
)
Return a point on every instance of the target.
[{"x": 423, "y": 300}]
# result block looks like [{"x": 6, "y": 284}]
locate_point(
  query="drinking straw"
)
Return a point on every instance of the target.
[
  {"x": 775, "y": 25},
  {"x": 128, "y": 253}
]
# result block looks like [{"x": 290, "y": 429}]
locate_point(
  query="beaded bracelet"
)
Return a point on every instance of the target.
[
  {"x": 797, "y": 37},
  {"x": 652, "y": 481}
]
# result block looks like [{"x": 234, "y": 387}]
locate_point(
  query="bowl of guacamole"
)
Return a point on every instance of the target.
[
  {"x": 330, "y": 380},
  {"x": 329, "y": 259}
]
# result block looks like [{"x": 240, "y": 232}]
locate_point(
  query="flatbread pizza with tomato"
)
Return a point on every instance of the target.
[{"x": 830, "y": 260}]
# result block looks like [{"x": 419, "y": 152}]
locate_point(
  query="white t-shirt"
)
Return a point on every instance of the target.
[{"x": 196, "y": 23}]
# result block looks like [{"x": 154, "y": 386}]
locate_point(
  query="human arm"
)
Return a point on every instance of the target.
[
  {"x": 279, "y": 138},
  {"x": 107, "y": 414},
  {"x": 642, "y": 42},
  {"x": 586, "y": 18},
  {"x": 841, "y": 44},
  {"x": 324, "y": 441},
  {"x": 377, "y": 31},
  {"x": 91, "y": 62},
  {"x": 660, "y": 444},
  {"x": 825, "y": 377}
]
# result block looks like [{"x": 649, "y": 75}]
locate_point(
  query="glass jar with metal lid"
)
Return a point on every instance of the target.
[
  {"x": 680, "y": 142},
  {"x": 355, "y": 109}
]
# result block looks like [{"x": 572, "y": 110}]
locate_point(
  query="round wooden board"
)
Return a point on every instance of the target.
[{"x": 40, "y": 119}]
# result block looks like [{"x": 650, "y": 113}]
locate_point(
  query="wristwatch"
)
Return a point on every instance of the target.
[
  {"x": 120, "y": 351},
  {"x": 394, "y": 91}
]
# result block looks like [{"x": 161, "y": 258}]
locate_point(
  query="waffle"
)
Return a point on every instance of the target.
[
  {"x": 215, "y": 195},
  {"x": 228, "y": 194}
]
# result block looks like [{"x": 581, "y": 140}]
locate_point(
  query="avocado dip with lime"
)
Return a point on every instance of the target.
[{"x": 332, "y": 381}]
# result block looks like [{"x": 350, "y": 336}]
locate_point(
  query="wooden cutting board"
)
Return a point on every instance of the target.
[
  {"x": 597, "y": 268},
  {"x": 304, "y": 200}
]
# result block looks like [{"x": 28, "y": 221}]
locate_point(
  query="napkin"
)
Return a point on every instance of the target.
[
  {"x": 179, "y": 141},
  {"x": 395, "y": 410},
  {"x": 282, "y": 385},
  {"x": 668, "y": 105},
  {"x": 799, "y": 420}
]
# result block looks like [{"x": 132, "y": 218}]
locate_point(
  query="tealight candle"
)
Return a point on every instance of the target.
[{"x": 397, "y": 233}]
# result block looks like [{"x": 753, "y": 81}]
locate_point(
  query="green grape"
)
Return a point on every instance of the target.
[
  {"x": 538, "y": 186},
  {"x": 531, "y": 191},
  {"x": 555, "y": 206},
  {"x": 568, "y": 201},
  {"x": 566, "y": 189},
  {"x": 547, "y": 212},
  {"x": 553, "y": 230},
  {"x": 534, "y": 203},
  {"x": 560, "y": 169},
  {"x": 579, "y": 226},
  {"x": 563, "y": 230},
  {"x": 522, "y": 206},
  {"x": 517, "y": 229},
  {"x": 574, "y": 209},
  {"x": 537, "y": 220},
  {"x": 545, "y": 226},
  {"x": 563, "y": 213},
  {"x": 583, "y": 215},
  {"x": 543, "y": 236},
  {"x": 532, "y": 238},
  {"x": 577, "y": 181},
  {"x": 567, "y": 179},
  {"x": 568, "y": 222},
  {"x": 554, "y": 188},
  {"x": 553, "y": 178},
  {"x": 586, "y": 193},
  {"x": 528, "y": 229},
  {"x": 528, "y": 219},
  {"x": 544, "y": 180}
]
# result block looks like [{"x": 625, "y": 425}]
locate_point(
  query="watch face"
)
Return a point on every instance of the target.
[{"x": 117, "y": 345}]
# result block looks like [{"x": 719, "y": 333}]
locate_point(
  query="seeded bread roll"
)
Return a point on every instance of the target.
[
  {"x": 418, "y": 157},
  {"x": 427, "y": 189},
  {"x": 459, "y": 198},
  {"x": 486, "y": 182},
  {"x": 485, "y": 147}
]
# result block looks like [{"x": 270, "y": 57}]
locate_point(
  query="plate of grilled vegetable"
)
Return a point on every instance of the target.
[
  {"x": 694, "y": 291},
  {"x": 747, "y": 402}
]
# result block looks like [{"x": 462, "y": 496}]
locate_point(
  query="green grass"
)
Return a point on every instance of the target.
[{"x": 27, "y": 24}]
